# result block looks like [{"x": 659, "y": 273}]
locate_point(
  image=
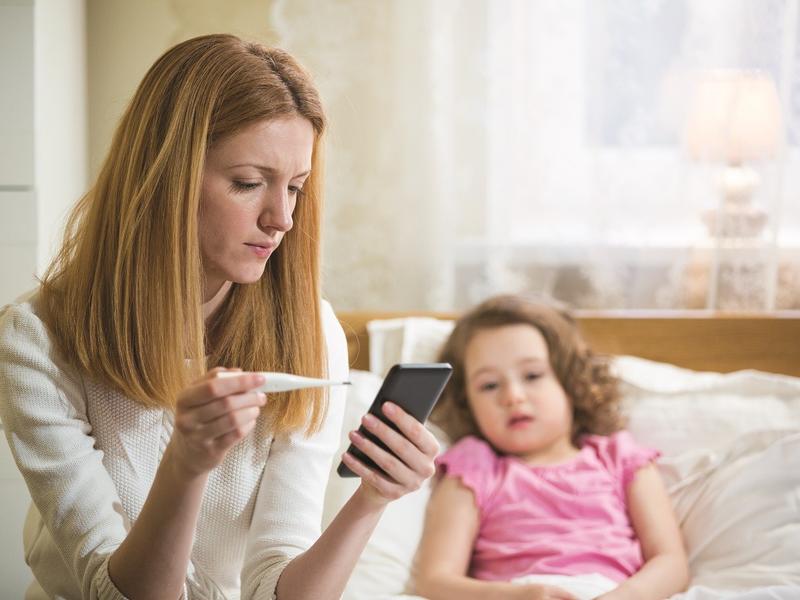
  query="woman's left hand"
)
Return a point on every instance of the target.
[{"x": 407, "y": 473}]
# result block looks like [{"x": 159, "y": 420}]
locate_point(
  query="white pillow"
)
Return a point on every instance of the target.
[
  {"x": 739, "y": 511},
  {"x": 405, "y": 340},
  {"x": 384, "y": 567},
  {"x": 677, "y": 410}
]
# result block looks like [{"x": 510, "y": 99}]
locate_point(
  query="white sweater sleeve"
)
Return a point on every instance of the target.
[
  {"x": 288, "y": 511},
  {"x": 43, "y": 410}
]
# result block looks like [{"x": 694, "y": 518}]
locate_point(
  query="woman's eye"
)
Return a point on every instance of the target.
[
  {"x": 245, "y": 186},
  {"x": 295, "y": 190}
]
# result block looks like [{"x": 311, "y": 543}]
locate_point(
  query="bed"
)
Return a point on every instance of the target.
[
  {"x": 718, "y": 394},
  {"x": 697, "y": 340}
]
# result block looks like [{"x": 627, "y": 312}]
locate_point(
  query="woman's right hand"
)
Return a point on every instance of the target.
[{"x": 211, "y": 416}]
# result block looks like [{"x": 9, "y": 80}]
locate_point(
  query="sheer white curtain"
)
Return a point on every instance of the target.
[{"x": 536, "y": 146}]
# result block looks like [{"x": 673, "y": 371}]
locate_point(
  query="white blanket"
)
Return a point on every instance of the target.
[{"x": 583, "y": 587}]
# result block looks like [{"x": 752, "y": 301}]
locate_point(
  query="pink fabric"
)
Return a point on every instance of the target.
[{"x": 566, "y": 519}]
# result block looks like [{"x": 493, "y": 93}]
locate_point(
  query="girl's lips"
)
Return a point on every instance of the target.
[{"x": 520, "y": 421}]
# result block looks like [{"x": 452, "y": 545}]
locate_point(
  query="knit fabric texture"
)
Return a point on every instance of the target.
[{"x": 89, "y": 456}]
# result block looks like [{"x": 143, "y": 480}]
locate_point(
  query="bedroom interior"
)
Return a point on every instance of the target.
[
  {"x": 718, "y": 395},
  {"x": 581, "y": 152}
]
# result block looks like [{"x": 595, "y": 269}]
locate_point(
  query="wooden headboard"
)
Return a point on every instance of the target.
[{"x": 699, "y": 340}]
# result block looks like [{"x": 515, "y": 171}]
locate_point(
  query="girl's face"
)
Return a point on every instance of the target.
[
  {"x": 515, "y": 398},
  {"x": 251, "y": 185}
]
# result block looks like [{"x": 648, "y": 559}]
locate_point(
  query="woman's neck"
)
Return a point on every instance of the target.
[{"x": 213, "y": 296}]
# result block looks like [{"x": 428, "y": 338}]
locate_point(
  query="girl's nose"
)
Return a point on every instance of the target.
[
  {"x": 277, "y": 214},
  {"x": 513, "y": 393}
]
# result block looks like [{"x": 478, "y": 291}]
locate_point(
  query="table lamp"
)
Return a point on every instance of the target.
[{"x": 735, "y": 118}]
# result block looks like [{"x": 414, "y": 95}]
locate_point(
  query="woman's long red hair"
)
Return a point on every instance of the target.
[{"x": 123, "y": 297}]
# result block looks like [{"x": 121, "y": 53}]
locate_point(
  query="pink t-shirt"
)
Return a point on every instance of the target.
[{"x": 565, "y": 519}]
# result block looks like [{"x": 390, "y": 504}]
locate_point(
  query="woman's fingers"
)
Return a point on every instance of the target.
[
  {"x": 385, "y": 487},
  {"x": 209, "y": 389},
  {"x": 412, "y": 429},
  {"x": 235, "y": 435},
  {"x": 409, "y": 460},
  {"x": 391, "y": 465},
  {"x": 194, "y": 420},
  {"x": 235, "y": 422},
  {"x": 213, "y": 414},
  {"x": 206, "y": 413},
  {"x": 409, "y": 453},
  {"x": 219, "y": 407}
]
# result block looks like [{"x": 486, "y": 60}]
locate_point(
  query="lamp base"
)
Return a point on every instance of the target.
[
  {"x": 737, "y": 223},
  {"x": 741, "y": 266},
  {"x": 737, "y": 217}
]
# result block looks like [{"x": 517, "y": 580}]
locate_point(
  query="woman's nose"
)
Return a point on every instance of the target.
[{"x": 277, "y": 214}]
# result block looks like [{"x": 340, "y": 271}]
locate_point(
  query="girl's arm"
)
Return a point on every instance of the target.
[
  {"x": 665, "y": 571},
  {"x": 451, "y": 526}
]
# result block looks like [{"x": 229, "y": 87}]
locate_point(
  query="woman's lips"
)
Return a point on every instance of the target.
[{"x": 261, "y": 251}]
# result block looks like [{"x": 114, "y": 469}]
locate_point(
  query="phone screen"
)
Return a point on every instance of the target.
[{"x": 413, "y": 387}]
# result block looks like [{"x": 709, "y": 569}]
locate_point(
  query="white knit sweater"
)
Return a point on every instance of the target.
[{"x": 89, "y": 456}]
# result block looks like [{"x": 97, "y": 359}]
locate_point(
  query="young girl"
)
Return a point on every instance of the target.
[{"x": 540, "y": 486}]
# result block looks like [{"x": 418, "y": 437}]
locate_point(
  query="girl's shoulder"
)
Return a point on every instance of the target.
[
  {"x": 475, "y": 463},
  {"x": 620, "y": 453},
  {"x": 469, "y": 449}
]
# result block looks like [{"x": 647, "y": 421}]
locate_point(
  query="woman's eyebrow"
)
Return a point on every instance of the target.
[{"x": 267, "y": 169}]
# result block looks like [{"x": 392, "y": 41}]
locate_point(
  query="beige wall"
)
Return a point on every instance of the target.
[
  {"x": 386, "y": 84},
  {"x": 125, "y": 38},
  {"x": 348, "y": 45}
]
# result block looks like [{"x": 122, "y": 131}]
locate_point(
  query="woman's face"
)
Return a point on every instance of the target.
[
  {"x": 251, "y": 184},
  {"x": 515, "y": 397}
]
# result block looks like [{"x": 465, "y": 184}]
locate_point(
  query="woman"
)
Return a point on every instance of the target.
[{"x": 197, "y": 249}]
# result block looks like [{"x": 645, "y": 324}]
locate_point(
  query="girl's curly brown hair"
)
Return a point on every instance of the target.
[{"x": 584, "y": 375}]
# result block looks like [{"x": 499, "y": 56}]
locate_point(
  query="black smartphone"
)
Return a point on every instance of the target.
[{"x": 413, "y": 387}]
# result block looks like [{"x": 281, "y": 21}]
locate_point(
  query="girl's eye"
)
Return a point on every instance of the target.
[
  {"x": 488, "y": 387},
  {"x": 245, "y": 186},
  {"x": 532, "y": 376}
]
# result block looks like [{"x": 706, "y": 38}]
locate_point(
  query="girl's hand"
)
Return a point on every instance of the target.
[
  {"x": 212, "y": 415},
  {"x": 616, "y": 594},
  {"x": 543, "y": 592},
  {"x": 416, "y": 452}
]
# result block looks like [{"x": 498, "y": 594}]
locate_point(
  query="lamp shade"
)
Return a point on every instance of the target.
[{"x": 735, "y": 117}]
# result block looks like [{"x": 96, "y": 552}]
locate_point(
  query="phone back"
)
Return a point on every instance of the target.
[{"x": 413, "y": 387}]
